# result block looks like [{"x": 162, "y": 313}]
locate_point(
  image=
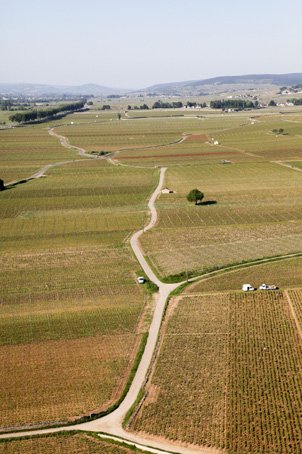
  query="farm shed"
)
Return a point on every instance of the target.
[{"x": 167, "y": 191}]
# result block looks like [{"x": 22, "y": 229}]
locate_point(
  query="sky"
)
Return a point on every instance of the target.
[{"x": 138, "y": 43}]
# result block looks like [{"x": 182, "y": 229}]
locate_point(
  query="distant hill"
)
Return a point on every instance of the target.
[
  {"x": 58, "y": 90},
  {"x": 204, "y": 84}
]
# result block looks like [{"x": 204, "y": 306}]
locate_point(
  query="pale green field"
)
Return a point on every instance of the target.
[
  {"x": 24, "y": 150},
  {"x": 114, "y": 135},
  {"x": 68, "y": 281},
  {"x": 4, "y": 117},
  {"x": 286, "y": 273},
  {"x": 70, "y": 304},
  {"x": 257, "y": 214}
]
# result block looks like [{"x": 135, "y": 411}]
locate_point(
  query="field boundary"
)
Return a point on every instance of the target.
[{"x": 293, "y": 314}]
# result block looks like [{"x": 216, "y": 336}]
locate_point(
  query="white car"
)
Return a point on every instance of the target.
[
  {"x": 267, "y": 287},
  {"x": 141, "y": 280}
]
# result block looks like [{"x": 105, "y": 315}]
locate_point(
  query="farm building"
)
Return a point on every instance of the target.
[{"x": 167, "y": 191}]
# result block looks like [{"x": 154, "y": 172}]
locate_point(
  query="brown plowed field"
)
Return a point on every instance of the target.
[{"x": 196, "y": 138}]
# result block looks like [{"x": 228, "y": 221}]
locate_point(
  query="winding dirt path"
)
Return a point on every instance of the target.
[
  {"x": 41, "y": 172},
  {"x": 110, "y": 426},
  {"x": 65, "y": 143},
  {"x": 112, "y": 423}
]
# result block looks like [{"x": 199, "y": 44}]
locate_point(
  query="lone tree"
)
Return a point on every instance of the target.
[
  {"x": 195, "y": 195},
  {"x": 2, "y": 187}
]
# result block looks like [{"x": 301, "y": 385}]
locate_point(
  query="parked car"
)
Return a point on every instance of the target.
[
  {"x": 267, "y": 287},
  {"x": 248, "y": 288},
  {"x": 141, "y": 280}
]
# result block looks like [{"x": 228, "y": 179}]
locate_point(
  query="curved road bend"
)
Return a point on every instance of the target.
[{"x": 65, "y": 143}]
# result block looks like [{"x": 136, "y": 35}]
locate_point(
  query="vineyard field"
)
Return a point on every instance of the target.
[
  {"x": 296, "y": 300},
  {"x": 23, "y": 151},
  {"x": 114, "y": 135},
  {"x": 71, "y": 309},
  {"x": 73, "y": 316},
  {"x": 253, "y": 211},
  {"x": 63, "y": 444},
  {"x": 284, "y": 273},
  {"x": 227, "y": 375}
]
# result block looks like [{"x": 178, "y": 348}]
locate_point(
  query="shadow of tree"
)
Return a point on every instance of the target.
[
  {"x": 207, "y": 202},
  {"x": 14, "y": 185}
]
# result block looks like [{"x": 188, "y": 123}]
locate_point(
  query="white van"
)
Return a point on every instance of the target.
[
  {"x": 141, "y": 280},
  {"x": 248, "y": 288}
]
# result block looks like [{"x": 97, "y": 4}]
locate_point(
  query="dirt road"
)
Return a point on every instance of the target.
[{"x": 112, "y": 423}]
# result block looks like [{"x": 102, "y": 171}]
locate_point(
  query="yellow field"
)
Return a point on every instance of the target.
[
  {"x": 227, "y": 375},
  {"x": 66, "y": 443}
]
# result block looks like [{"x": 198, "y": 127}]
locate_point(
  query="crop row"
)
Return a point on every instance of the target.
[
  {"x": 62, "y": 444},
  {"x": 228, "y": 376},
  {"x": 200, "y": 257},
  {"x": 296, "y": 299},
  {"x": 285, "y": 273},
  {"x": 70, "y": 308},
  {"x": 24, "y": 150},
  {"x": 254, "y": 211},
  {"x": 56, "y": 380}
]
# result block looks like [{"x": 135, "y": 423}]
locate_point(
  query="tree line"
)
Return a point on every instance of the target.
[
  {"x": 167, "y": 105},
  {"x": 33, "y": 115},
  {"x": 233, "y": 104},
  {"x": 295, "y": 101},
  {"x": 142, "y": 107}
]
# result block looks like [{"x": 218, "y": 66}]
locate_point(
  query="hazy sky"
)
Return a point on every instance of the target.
[{"x": 136, "y": 43}]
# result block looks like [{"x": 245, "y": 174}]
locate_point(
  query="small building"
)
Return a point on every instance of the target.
[{"x": 167, "y": 191}]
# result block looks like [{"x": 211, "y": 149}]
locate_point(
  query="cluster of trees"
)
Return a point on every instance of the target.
[
  {"x": 167, "y": 105},
  {"x": 295, "y": 88},
  {"x": 278, "y": 131},
  {"x": 194, "y": 104},
  {"x": 6, "y": 104},
  {"x": 33, "y": 115},
  {"x": 142, "y": 107},
  {"x": 233, "y": 104},
  {"x": 2, "y": 187},
  {"x": 106, "y": 107},
  {"x": 272, "y": 103},
  {"x": 295, "y": 101}
]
